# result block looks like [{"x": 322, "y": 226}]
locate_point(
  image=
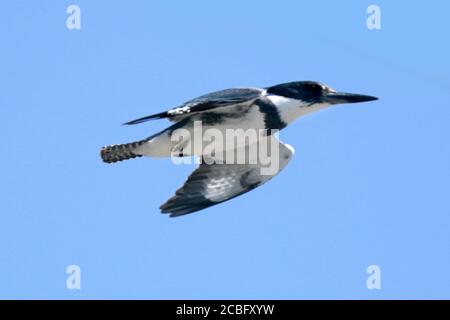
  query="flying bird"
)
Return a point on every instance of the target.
[{"x": 270, "y": 109}]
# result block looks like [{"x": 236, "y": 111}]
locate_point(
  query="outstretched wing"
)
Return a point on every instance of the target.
[
  {"x": 211, "y": 184},
  {"x": 206, "y": 102}
]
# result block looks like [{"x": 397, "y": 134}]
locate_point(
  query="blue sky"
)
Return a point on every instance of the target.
[{"x": 369, "y": 183}]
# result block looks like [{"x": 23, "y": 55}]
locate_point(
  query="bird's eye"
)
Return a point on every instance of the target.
[{"x": 316, "y": 88}]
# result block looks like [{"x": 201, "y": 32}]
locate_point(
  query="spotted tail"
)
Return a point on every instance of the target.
[{"x": 120, "y": 152}]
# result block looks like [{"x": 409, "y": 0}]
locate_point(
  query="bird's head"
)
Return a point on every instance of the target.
[{"x": 315, "y": 93}]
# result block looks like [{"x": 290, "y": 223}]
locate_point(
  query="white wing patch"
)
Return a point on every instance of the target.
[
  {"x": 178, "y": 111},
  {"x": 215, "y": 188}
]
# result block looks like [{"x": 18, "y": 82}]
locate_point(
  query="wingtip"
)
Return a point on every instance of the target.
[
  {"x": 174, "y": 211},
  {"x": 170, "y": 213},
  {"x": 132, "y": 122},
  {"x": 165, "y": 209}
]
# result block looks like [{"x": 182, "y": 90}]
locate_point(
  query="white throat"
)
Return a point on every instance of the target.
[{"x": 290, "y": 109}]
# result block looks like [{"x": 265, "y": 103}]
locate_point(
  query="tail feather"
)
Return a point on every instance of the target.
[{"x": 120, "y": 152}]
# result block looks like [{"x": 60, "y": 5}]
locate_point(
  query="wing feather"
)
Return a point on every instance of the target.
[
  {"x": 208, "y": 102},
  {"x": 211, "y": 184}
]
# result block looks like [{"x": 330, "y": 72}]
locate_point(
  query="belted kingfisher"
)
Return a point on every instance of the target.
[{"x": 271, "y": 108}]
